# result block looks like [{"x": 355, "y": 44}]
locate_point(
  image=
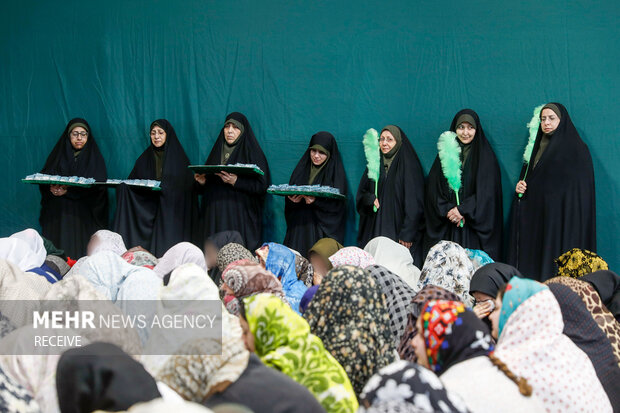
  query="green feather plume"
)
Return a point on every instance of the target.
[
  {"x": 450, "y": 157},
  {"x": 371, "y": 150},
  {"x": 533, "y": 127}
]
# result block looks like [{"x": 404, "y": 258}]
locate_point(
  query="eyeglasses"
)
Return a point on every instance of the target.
[
  {"x": 386, "y": 139},
  {"x": 75, "y": 134}
]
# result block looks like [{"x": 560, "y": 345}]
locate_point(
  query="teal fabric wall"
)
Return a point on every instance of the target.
[{"x": 297, "y": 67}]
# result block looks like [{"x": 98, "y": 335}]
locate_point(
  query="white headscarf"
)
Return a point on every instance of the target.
[
  {"x": 16, "y": 284},
  {"x": 396, "y": 258},
  {"x": 179, "y": 254},
  {"x": 24, "y": 249},
  {"x": 108, "y": 241},
  {"x": 533, "y": 346},
  {"x": 188, "y": 284},
  {"x": 354, "y": 256}
]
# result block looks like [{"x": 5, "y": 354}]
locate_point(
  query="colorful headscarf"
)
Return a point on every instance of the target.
[
  {"x": 281, "y": 262},
  {"x": 354, "y": 256},
  {"x": 407, "y": 387},
  {"x": 232, "y": 252},
  {"x": 304, "y": 270},
  {"x": 448, "y": 266},
  {"x": 247, "y": 278},
  {"x": 518, "y": 290},
  {"x": 453, "y": 334},
  {"x": 428, "y": 293},
  {"x": 179, "y": 254},
  {"x": 398, "y": 296},
  {"x": 532, "y": 344},
  {"x": 283, "y": 341},
  {"x": 479, "y": 258},
  {"x": 141, "y": 259},
  {"x": 594, "y": 304},
  {"x": 578, "y": 262},
  {"x": 108, "y": 241},
  {"x": 349, "y": 315}
]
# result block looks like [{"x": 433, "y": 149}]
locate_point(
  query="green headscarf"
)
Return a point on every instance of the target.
[
  {"x": 228, "y": 148},
  {"x": 389, "y": 157},
  {"x": 325, "y": 248},
  {"x": 283, "y": 341},
  {"x": 314, "y": 170}
]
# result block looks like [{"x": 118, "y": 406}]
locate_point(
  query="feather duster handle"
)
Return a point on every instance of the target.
[
  {"x": 449, "y": 152},
  {"x": 529, "y": 148},
  {"x": 373, "y": 157}
]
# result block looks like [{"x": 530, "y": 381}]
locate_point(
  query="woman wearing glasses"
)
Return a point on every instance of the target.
[
  {"x": 397, "y": 211},
  {"x": 70, "y": 215},
  {"x": 157, "y": 220}
]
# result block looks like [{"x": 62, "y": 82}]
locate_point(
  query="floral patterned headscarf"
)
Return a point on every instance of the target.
[
  {"x": 407, "y": 387},
  {"x": 578, "y": 262},
  {"x": 283, "y": 341},
  {"x": 448, "y": 266},
  {"x": 453, "y": 334},
  {"x": 349, "y": 314}
]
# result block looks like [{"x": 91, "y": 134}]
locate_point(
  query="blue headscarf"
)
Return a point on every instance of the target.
[
  {"x": 518, "y": 290},
  {"x": 281, "y": 262}
]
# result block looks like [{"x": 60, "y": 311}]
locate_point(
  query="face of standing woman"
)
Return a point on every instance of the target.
[
  {"x": 549, "y": 121},
  {"x": 386, "y": 141},
  {"x": 79, "y": 137},
  {"x": 317, "y": 157},
  {"x": 158, "y": 136},
  {"x": 231, "y": 133},
  {"x": 465, "y": 133}
]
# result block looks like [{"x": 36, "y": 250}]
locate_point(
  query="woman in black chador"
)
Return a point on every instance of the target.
[
  {"x": 70, "y": 215},
  {"x": 480, "y": 196},
  {"x": 157, "y": 220},
  {"x": 400, "y": 196},
  {"x": 308, "y": 218},
  {"x": 557, "y": 209},
  {"x": 234, "y": 202}
]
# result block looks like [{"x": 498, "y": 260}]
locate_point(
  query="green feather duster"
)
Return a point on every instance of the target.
[
  {"x": 529, "y": 148},
  {"x": 371, "y": 150},
  {"x": 373, "y": 157},
  {"x": 533, "y": 127},
  {"x": 450, "y": 158}
]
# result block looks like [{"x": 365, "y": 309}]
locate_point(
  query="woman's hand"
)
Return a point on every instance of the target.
[
  {"x": 406, "y": 244},
  {"x": 227, "y": 178},
  {"x": 295, "y": 198},
  {"x": 377, "y": 203},
  {"x": 521, "y": 187},
  {"x": 309, "y": 199},
  {"x": 200, "y": 178},
  {"x": 58, "y": 190},
  {"x": 455, "y": 216},
  {"x": 484, "y": 308}
]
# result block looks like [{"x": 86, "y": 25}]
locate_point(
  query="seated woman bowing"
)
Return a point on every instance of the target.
[
  {"x": 70, "y": 214},
  {"x": 309, "y": 218},
  {"x": 283, "y": 340},
  {"x": 400, "y": 196},
  {"x": 555, "y": 192},
  {"x": 472, "y": 218},
  {"x": 457, "y": 346},
  {"x": 235, "y": 202},
  {"x": 527, "y": 321},
  {"x": 157, "y": 220},
  {"x": 348, "y": 313}
]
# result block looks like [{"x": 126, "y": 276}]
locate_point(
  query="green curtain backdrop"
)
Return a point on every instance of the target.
[{"x": 297, "y": 67}]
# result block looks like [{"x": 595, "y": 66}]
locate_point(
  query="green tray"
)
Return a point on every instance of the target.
[
  {"x": 308, "y": 193},
  {"x": 152, "y": 188},
  {"x": 238, "y": 170},
  {"x": 30, "y": 181}
]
